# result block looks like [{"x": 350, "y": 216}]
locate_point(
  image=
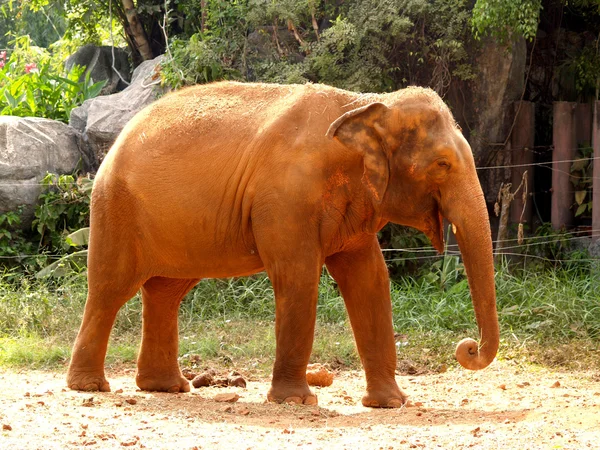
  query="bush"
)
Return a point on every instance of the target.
[
  {"x": 33, "y": 88},
  {"x": 64, "y": 206},
  {"x": 363, "y": 45}
]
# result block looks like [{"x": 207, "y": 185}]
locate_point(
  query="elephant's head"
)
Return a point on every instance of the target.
[{"x": 420, "y": 169}]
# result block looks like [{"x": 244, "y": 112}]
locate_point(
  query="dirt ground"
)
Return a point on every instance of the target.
[{"x": 504, "y": 406}]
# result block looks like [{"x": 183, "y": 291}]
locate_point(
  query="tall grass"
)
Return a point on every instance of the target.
[{"x": 233, "y": 318}]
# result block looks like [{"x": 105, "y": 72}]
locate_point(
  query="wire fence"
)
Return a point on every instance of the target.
[{"x": 451, "y": 249}]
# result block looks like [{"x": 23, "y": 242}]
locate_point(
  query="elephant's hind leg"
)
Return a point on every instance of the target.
[
  {"x": 158, "y": 369},
  {"x": 86, "y": 371}
]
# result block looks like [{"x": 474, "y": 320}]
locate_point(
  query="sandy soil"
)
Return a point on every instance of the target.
[{"x": 504, "y": 406}]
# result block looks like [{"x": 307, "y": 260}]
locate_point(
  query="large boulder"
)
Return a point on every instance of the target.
[
  {"x": 101, "y": 119},
  {"x": 29, "y": 148},
  {"x": 103, "y": 63}
]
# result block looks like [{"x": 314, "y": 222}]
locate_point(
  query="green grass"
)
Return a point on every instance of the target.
[{"x": 547, "y": 317}]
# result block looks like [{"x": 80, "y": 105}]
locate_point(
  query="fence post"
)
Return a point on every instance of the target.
[
  {"x": 565, "y": 145},
  {"x": 522, "y": 140},
  {"x": 596, "y": 171},
  {"x": 583, "y": 123}
]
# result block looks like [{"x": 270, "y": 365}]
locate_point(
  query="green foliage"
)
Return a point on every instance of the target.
[
  {"x": 555, "y": 250},
  {"x": 506, "y": 19},
  {"x": 63, "y": 208},
  {"x": 30, "y": 89},
  {"x": 24, "y": 18},
  {"x": 587, "y": 72},
  {"x": 214, "y": 52},
  {"x": 12, "y": 240},
  {"x": 363, "y": 45},
  {"x": 414, "y": 251},
  {"x": 201, "y": 60},
  {"x": 582, "y": 180},
  {"x": 232, "y": 320},
  {"x": 447, "y": 273}
]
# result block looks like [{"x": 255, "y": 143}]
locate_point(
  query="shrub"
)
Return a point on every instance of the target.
[
  {"x": 30, "y": 86},
  {"x": 64, "y": 206}
]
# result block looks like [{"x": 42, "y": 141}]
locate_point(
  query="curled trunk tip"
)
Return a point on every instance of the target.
[{"x": 474, "y": 357}]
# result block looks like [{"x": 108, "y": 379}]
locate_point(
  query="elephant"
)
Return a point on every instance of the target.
[{"x": 229, "y": 179}]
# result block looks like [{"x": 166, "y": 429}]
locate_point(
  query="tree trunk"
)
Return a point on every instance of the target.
[{"x": 137, "y": 31}]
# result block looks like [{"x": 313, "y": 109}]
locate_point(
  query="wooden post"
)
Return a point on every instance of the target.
[
  {"x": 522, "y": 140},
  {"x": 596, "y": 171},
  {"x": 565, "y": 146},
  {"x": 583, "y": 123}
]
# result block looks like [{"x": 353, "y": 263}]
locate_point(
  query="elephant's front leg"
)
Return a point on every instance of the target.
[
  {"x": 157, "y": 366},
  {"x": 296, "y": 289},
  {"x": 363, "y": 279}
]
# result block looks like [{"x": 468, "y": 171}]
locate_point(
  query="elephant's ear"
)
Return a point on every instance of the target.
[{"x": 360, "y": 129}]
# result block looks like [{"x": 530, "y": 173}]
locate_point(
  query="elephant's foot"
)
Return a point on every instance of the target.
[
  {"x": 87, "y": 381},
  {"x": 172, "y": 383},
  {"x": 300, "y": 395},
  {"x": 392, "y": 398}
]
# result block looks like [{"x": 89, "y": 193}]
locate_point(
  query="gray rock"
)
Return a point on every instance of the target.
[
  {"x": 29, "y": 148},
  {"x": 594, "y": 249},
  {"x": 98, "y": 62},
  {"x": 101, "y": 119}
]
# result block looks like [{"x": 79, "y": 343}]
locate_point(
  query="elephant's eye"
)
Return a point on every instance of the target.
[{"x": 444, "y": 164}]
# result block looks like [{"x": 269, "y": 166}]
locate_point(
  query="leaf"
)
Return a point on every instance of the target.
[
  {"x": 79, "y": 238},
  {"x": 579, "y": 164},
  {"x": 580, "y": 196},
  {"x": 94, "y": 89},
  {"x": 31, "y": 101},
  {"x": 581, "y": 209},
  {"x": 64, "y": 266},
  {"x": 12, "y": 102}
]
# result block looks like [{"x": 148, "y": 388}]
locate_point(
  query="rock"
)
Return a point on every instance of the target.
[
  {"x": 6, "y": 427},
  {"x": 29, "y": 148},
  {"x": 317, "y": 375},
  {"x": 226, "y": 398},
  {"x": 131, "y": 401},
  {"x": 203, "y": 380},
  {"x": 188, "y": 374},
  {"x": 98, "y": 62},
  {"x": 236, "y": 380},
  {"x": 594, "y": 249},
  {"x": 101, "y": 119}
]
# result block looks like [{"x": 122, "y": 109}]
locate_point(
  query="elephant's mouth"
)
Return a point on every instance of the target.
[{"x": 434, "y": 229}]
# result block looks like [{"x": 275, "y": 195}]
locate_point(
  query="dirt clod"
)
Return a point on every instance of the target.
[
  {"x": 209, "y": 378},
  {"x": 131, "y": 401},
  {"x": 189, "y": 374},
  {"x": 236, "y": 381},
  {"x": 318, "y": 375},
  {"x": 556, "y": 384},
  {"x": 202, "y": 380},
  {"x": 6, "y": 427},
  {"x": 227, "y": 397}
]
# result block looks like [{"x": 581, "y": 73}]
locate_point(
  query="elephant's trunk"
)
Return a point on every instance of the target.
[{"x": 474, "y": 239}]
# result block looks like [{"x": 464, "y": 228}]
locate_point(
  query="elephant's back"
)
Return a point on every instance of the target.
[
  {"x": 205, "y": 122},
  {"x": 231, "y": 106}
]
